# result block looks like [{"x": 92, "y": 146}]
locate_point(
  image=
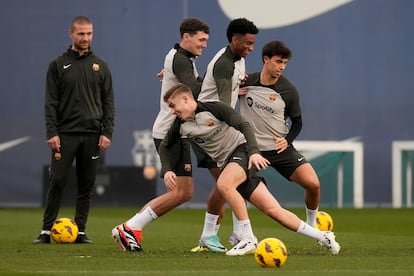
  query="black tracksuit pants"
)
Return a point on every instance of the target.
[{"x": 83, "y": 148}]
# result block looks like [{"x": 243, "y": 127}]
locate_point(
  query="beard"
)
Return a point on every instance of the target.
[{"x": 79, "y": 47}]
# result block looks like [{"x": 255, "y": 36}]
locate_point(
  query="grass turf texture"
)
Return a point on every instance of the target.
[{"x": 374, "y": 242}]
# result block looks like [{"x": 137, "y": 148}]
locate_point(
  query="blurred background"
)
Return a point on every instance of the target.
[{"x": 352, "y": 64}]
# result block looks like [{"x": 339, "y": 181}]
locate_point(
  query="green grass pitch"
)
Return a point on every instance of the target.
[{"x": 374, "y": 242}]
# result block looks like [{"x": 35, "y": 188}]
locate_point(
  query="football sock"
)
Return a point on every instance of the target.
[
  {"x": 307, "y": 230},
  {"x": 236, "y": 228},
  {"x": 210, "y": 223},
  {"x": 245, "y": 229},
  {"x": 47, "y": 232},
  {"x": 141, "y": 219},
  {"x": 217, "y": 228},
  {"x": 311, "y": 216}
]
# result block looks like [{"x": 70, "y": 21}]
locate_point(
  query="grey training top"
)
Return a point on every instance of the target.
[{"x": 216, "y": 128}]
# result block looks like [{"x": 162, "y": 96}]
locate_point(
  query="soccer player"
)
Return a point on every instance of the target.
[
  {"x": 268, "y": 102},
  {"x": 225, "y": 72},
  {"x": 179, "y": 66},
  {"x": 223, "y": 134}
]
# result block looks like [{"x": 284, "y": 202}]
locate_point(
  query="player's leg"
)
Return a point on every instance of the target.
[
  {"x": 215, "y": 207},
  {"x": 129, "y": 234},
  {"x": 235, "y": 195},
  {"x": 293, "y": 166},
  {"x": 216, "y": 203},
  {"x": 182, "y": 193},
  {"x": 61, "y": 163},
  {"x": 267, "y": 203},
  {"x": 306, "y": 177},
  {"x": 87, "y": 161},
  {"x": 231, "y": 177}
]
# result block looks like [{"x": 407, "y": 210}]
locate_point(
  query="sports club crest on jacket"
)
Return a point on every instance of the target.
[
  {"x": 95, "y": 67},
  {"x": 187, "y": 167},
  {"x": 272, "y": 97}
]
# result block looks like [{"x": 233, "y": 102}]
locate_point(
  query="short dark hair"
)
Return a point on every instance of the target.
[
  {"x": 193, "y": 25},
  {"x": 80, "y": 20},
  {"x": 175, "y": 90},
  {"x": 240, "y": 26},
  {"x": 276, "y": 48}
]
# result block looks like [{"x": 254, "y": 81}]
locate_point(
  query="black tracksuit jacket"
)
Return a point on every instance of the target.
[{"x": 79, "y": 95}]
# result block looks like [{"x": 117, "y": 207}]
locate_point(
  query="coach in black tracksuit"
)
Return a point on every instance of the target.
[{"x": 79, "y": 115}]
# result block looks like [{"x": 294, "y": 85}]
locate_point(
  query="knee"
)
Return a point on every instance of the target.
[
  {"x": 312, "y": 185},
  {"x": 187, "y": 196},
  {"x": 222, "y": 188},
  {"x": 315, "y": 185},
  {"x": 184, "y": 195}
]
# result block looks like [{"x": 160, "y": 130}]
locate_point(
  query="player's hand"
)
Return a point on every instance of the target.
[
  {"x": 161, "y": 74},
  {"x": 169, "y": 180},
  {"x": 258, "y": 161},
  {"x": 243, "y": 91},
  {"x": 104, "y": 142},
  {"x": 281, "y": 144},
  {"x": 243, "y": 81},
  {"x": 54, "y": 143}
]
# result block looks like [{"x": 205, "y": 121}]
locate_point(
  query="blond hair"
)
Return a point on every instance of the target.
[{"x": 177, "y": 89}]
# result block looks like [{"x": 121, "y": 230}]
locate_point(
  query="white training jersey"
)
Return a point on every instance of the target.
[
  {"x": 164, "y": 118},
  {"x": 224, "y": 75}
]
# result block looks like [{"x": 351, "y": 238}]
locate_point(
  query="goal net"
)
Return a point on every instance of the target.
[{"x": 339, "y": 165}]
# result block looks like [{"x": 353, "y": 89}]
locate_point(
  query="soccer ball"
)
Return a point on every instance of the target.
[
  {"x": 271, "y": 252},
  {"x": 324, "y": 221},
  {"x": 64, "y": 230}
]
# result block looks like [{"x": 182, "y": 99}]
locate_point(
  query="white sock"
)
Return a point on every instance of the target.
[
  {"x": 245, "y": 229},
  {"x": 217, "y": 228},
  {"x": 47, "y": 232},
  {"x": 311, "y": 216},
  {"x": 141, "y": 219},
  {"x": 210, "y": 223},
  {"x": 236, "y": 228},
  {"x": 307, "y": 230}
]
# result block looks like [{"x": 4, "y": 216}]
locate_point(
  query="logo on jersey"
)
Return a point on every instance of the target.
[
  {"x": 210, "y": 122},
  {"x": 210, "y": 137},
  {"x": 58, "y": 155},
  {"x": 187, "y": 167},
  {"x": 249, "y": 101},
  {"x": 95, "y": 67},
  {"x": 272, "y": 97}
]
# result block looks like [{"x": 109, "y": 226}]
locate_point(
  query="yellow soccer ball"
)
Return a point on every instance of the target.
[
  {"x": 64, "y": 230},
  {"x": 271, "y": 252},
  {"x": 324, "y": 221}
]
